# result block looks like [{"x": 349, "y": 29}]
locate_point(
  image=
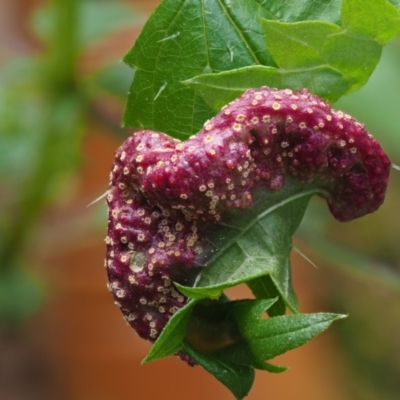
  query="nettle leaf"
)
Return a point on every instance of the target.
[
  {"x": 371, "y": 19},
  {"x": 240, "y": 353},
  {"x": 182, "y": 39},
  {"x": 282, "y": 279},
  {"x": 251, "y": 246},
  {"x": 171, "y": 339},
  {"x": 234, "y": 364},
  {"x": 268, "y": 338},
  {"x": 352, "y": 49},
  {"x": 188, "y": 38},
  {"x": 303, "y": 10},
  {"x": 328, "y": 59},
  {"x": 262, "y": 339},
  {"x": 357, "y": 68},
  {"x": 237, "y": 378},
  {"x": 255, "y": 242},
  {"x": 194, "y": 56},
  {"x": 221, "y": 88},
  {"x": 297, "y": 45},
  {"x": 265, "y": 288}
]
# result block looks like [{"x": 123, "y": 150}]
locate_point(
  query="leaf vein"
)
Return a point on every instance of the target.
[
  {"x": 259, "y": 217},
  {"x": 239, "y": 32}
]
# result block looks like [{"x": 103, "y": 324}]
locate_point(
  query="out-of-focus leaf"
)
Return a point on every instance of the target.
[
  {"x": 21, "y": 294},
  {"x": 96, "y": 20},
  {"x": 354, "y": 262},
  {"x": 396, "y": 3},
  {"x": 114, "y": 79},
  {"x": 19, "y": 136},
  {"x": 101, "y": 18}
]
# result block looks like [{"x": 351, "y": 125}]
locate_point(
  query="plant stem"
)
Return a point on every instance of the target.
[
  {"x": 63, "y": 45},
  {"x": 60, "y": 111}
]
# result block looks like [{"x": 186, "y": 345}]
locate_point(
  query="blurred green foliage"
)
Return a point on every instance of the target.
[{"x": 44, "y": 104}]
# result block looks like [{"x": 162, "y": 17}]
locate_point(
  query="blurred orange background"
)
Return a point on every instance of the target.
[{"x": 75, "y": 345}]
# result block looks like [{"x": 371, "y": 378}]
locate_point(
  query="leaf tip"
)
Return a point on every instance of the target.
[{"x": 145, "y": 360}]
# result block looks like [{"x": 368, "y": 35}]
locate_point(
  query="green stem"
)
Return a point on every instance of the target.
[
  {"x": 58, "y": 91},
  {"x": 63, "y": 45}
]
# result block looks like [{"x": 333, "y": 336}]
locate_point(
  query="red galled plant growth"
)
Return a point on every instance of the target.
[
  {"x": 189, "y": 219},
  {"x": 165, "y": 195}
]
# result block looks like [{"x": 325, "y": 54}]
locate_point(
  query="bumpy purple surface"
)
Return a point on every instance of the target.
[{"x": 163, "y": 192}]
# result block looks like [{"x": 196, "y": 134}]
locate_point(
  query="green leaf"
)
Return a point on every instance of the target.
[
  {"x": 236, "y": 377},
  {"x": 259, "y": 340},
  {"x": 207, "y": 321},
  {"x": 188, "y": 38},
  {"x": 303, "y": 10},
  {"x": 182, "y": 39},
  {"x": 282, "y": 278},
  {"x": 297, "y": 45},
  {"x": 365, "y": 56},
  {"x": 352, "y": 50},
  {"x": 254, "y": 242},
  {"x": 325, "y": 58},
  {"x": 271, "y": 368},
  {"x": 271, "y": 337},
  {"x": 240, "y": 353},
  {"x": 277, "y": 284},
  {"x": 264, "y": 288},
  {"x": 186, "y": 42},
  {"x": 171, "y": 339},
  {"x": 248, "y": 311},
  {"x": 97, "y": 19},
  {"x": 221, "y": 88},
  {"x": 371, "y": 19}
]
